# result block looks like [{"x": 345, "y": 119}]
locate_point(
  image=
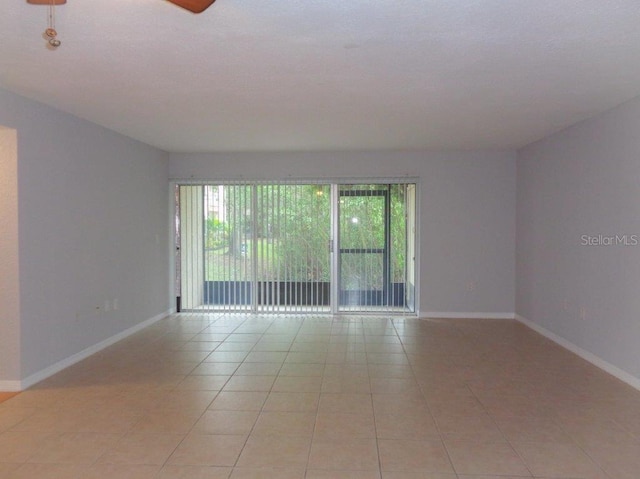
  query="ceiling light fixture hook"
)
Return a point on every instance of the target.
[{"x": 50, "y": 34}]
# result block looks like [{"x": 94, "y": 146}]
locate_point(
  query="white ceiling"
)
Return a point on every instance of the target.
[{"x": 257, "y": 75}]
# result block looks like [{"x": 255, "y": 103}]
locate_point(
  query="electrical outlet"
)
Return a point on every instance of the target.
[{"x": 583, "y": 313}]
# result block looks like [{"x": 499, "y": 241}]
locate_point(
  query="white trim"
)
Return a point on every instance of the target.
[
  {"x": 583, "y": 353},
  {"x": 10, "y": 386},
  {"x": 334, "y": 256},
  {"x": 417, "y": 238},
  {"x": 455, "y": 315},
  {"x": 73, "y": 359}
]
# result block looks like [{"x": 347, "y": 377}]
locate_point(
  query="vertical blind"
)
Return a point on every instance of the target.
[{"x": 267, "y": 247}]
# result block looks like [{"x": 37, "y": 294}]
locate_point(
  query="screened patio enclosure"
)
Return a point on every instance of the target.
[{"x": 296, "y": 247}]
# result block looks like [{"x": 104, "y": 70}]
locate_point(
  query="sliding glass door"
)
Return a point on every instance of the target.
[
  {"x": 373, "y": 247},
  {"x": 293, "y": 247}
]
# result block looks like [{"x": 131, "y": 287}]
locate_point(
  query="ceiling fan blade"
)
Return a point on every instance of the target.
[{"x": 195, "y": 6}]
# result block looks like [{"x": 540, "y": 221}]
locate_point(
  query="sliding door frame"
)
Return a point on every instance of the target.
[{"x": 412, "y": 293}]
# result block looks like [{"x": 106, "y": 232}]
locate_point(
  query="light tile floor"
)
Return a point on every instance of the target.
[{"x": 224, "y": 396}]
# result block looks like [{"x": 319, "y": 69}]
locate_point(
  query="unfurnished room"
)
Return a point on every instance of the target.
[{"x": 296, "y": 239}]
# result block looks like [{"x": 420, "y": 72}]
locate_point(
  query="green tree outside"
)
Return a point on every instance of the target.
[{"x": 288, "y": 234}]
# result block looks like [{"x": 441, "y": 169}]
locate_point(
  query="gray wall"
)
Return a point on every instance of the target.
[
  {"x": 467, "y": 213},
  {"x": 93, "y": 227},
  {"x": 583, "y": 181}
]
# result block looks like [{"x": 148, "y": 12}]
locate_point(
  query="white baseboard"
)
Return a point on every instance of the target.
[
  {"x": 10, "y": 386},
  {"x": 454, "y": 315},
  {"x": 583, "y": 353},
  {"x": 65, "y": 363}
]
